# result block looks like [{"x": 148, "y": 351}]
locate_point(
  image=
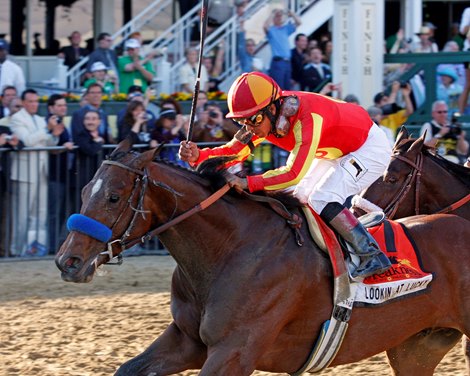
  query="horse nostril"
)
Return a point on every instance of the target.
[{"x": 72, "y": 264}]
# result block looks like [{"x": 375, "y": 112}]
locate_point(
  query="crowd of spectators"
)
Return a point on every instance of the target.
[{"x": 36, "y": 185}]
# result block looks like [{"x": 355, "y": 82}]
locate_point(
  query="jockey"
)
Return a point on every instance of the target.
[{"x": 335, "y": 151}]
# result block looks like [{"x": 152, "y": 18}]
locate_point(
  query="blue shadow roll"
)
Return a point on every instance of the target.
[{"x": 88, "y": 226}]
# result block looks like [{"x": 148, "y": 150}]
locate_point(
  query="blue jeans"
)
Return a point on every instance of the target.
[{"x": 281, "y": 72}]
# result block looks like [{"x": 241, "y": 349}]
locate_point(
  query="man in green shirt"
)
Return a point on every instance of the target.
[{"x": 133, "y": 69}]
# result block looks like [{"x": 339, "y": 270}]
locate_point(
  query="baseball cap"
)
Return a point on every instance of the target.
[
  {"x": 168, "y": 113},
  {"x": 131, "y": 43},
  {"x": 134, "y": 89},
  {"x": 4, "y": 45},
  {"x": 98, "y": 66},
  {"x": 379, "y": 96}
]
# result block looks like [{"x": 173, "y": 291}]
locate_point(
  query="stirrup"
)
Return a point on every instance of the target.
[{"x": 383, "y": 264}]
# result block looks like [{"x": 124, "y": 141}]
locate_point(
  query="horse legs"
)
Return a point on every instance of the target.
[
  {"x": 226, "y": 361},
  {"x": 172, "y": 352},
  {"x": 466, "y": 349},
  {"x": 421, "y": 353}
]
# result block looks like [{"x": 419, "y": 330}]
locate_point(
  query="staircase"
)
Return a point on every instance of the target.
[{"x": 174, "y": 40}]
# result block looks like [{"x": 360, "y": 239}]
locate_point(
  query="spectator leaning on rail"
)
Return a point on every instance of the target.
[
  {"x": 335, "y": 151},
  {"x": 8, "y": 93},
  {"x": 29, "y": 175},
  {"x": 7, "y": 141},
  {"x": 58, "y": 172},
  {"x": 94, "y": 97}
]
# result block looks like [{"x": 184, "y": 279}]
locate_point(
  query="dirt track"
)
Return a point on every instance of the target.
[{"x": 53, "y": 328}]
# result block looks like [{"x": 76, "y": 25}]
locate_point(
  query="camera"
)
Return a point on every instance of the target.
[
  {"x": 144, "y": 137},
  {"x": 8, "y": 137},
  {"x": 403, "y": 84},
  {"x": 213, "y": 114},
  {"x": 455, "y": 126},
  {"x": 59, "y": 119}
]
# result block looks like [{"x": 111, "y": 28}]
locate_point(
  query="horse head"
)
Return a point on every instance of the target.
[
  {"x": 113, "y": 203},
  {"x": 391, "y": 190}
]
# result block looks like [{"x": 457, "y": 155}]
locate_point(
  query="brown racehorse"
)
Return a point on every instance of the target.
[
  {"x": 244, "y": 295},
  {"x": 417, "y": 181}
]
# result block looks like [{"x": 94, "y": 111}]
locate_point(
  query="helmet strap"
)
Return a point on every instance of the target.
[{"x": 273, "y": 118}]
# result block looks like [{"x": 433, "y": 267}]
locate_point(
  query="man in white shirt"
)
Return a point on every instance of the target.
[
  {"x": 188, "y": 72},
  {"x": 10, "y": 73},
  {"x": 29, "y": 175}
]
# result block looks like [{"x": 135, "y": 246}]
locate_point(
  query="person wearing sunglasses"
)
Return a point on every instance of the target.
[
  {"x": 446, "y": 136},
  {"x": 336, "y": 151}
]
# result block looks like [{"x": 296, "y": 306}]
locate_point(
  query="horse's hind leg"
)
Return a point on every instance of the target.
[
  {"x": 172, "y": 352},
  {"x": 421, "y": 353}
]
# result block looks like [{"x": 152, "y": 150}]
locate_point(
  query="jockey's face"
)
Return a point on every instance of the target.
[{"x": 260, "y": 128}]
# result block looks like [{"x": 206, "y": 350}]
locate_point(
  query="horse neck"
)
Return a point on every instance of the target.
[{"x": 197, "y": 242}]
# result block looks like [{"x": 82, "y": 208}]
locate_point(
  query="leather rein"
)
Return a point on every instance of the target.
[
  {"x": 415, "y": 174},
  {"x": 142, "y": 179}
]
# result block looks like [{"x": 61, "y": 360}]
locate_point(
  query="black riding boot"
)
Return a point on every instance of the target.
[{"x": 372, "y": 259}]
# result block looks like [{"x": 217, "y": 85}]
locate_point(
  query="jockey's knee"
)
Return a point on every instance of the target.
[{"x": 317, "y": 205}]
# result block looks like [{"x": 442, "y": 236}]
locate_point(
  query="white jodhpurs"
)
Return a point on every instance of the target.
[{"x": 335, "y": 180}]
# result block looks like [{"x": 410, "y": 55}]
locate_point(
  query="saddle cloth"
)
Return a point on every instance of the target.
[{"x": 405, "y": 276}]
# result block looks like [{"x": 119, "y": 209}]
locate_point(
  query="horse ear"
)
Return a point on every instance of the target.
[
  {"x": 123, "y": 147},
  {"x": 402, "y": 135},
  {"x": 417, "y": 146},
  {"x": 144, "y": 158}
]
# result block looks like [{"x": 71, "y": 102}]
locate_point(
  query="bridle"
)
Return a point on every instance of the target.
[
  {"x": 415, "y": 174},
  {"x": 142, "y": 179}
]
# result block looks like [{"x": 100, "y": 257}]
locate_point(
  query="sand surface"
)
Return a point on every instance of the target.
[{"x": 53, "y": 328}]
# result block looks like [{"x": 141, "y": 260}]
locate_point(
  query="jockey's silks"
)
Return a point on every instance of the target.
[{"x": 323, "y": 127}]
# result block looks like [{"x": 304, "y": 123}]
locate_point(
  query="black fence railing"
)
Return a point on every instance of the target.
[{"x": 40, "y": 188}]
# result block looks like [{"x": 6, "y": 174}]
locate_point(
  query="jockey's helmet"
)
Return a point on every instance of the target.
[{"x": 250, "y": 93}]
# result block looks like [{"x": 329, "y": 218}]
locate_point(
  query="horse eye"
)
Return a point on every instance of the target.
[
  {"x": 113, "y": 198},
  {"x": 391, "y": 179}
]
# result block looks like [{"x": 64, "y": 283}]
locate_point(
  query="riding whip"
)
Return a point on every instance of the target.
[{"x": 204, "y": 9}]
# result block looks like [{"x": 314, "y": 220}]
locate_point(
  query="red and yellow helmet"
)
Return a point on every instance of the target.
[{"x": 250, "y": 93}]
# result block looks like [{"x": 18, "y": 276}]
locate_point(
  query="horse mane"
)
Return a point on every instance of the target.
[
  {"x": 460, "y": 172},
  {"x": 214, "y": 169}
]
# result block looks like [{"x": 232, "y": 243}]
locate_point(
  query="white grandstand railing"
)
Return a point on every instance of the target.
[
  {"x": 226, "y": 34},
  {"x": 75, "y": 74},
  {"x": 177, "y": 38}
]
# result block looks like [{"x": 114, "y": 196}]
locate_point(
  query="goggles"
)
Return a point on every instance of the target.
[{"x": 252, "y": 121}]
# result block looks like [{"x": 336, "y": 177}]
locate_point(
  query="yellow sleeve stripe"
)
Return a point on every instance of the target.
[{"x": 306, "y": 156}]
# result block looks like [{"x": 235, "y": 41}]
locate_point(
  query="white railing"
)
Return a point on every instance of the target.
[
  {"x": 226, "y": 34},
  {"x": 137, "y": 23},
  {"x": 175, "y": 39}
]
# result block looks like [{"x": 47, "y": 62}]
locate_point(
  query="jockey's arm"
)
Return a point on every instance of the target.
[
  {"x": 189, "y": 152},
  {"x": 298, "y": 163}
]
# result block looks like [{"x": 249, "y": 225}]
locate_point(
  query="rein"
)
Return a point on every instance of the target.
[
  {"x": 123, "y": 242},
  {"x": 392, "y": 207},
  {"x": 293, "y": 220}
]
